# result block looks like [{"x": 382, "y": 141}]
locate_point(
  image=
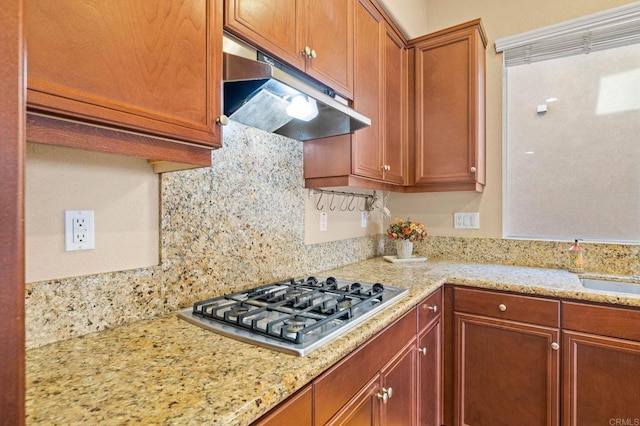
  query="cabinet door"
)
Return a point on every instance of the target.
[
  {"x": 145, "y": 65},
  {"x": 284, "y": 28},
  {"x": 394, "y": 135},
  {"x": 449, "y": 109},
  {"x": 601, "y": 380},
  {"x": 339, "y": 384},
  {"x": 274, "y": 26},
  {"x": 295, "y": 411},
  {"x": 329, "y": 32},
  {"x": 430, "y": 376},
  {"x": 362, "y": 409},
  {"x": 399, "y": 380},
  {"x": 507, "y": 373},
  {"x": 367, "y": 147}
]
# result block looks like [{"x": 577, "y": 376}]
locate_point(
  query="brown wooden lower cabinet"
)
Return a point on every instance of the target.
[
  {"x": 343, "y": 382},
  {"x": 506, "y": 371},
  {"x": 398, "y": 381},
  {"x": 506, "y": 364},
  {"x": 430, "y": 375},
  {"x": 503, "y": 366},
  {"x": 601, "y": 375},
  {"x": 388, "y": 399},
  {"x": 384, "y": 382},
  {"x": 362, "y": 409},
  {"x": 295, "y": 411},
  {"x": 430, "y": 385}
]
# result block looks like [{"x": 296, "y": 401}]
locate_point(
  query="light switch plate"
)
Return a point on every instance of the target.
[
  {"x": 466, "y": 220},
  {"x": 323, "y": 221}
]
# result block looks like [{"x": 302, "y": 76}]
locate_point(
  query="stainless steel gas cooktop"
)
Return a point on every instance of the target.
[{"x": 294, "y": 316}]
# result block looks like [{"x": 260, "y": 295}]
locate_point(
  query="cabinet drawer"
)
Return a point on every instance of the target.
[
  {"x": 623, "y": 323},
  {"x": 429, "y": 309},
  {"x": 508, "y": 306}
]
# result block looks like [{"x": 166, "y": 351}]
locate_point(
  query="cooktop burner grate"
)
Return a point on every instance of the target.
[{"x": 293, "y": 315}]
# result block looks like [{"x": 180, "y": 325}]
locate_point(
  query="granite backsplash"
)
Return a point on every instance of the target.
[{"x": 239, "y": 223}]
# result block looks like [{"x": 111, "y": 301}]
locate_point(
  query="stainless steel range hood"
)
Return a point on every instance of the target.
[{"x": 259, "y": 94}]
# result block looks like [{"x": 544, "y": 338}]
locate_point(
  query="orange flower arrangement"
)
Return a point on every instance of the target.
[{"x": 406, "y": 230}]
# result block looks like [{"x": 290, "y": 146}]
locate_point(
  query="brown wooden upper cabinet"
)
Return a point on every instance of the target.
[
  {"x": 426, "y": 101},
  {"x": 314, "y": 36},
  {"x": 380, "y": 76},
  {"x": 449, "y": 80},
  {"x": 148, "y": 66},
  {"x": 376, "y": 156}
]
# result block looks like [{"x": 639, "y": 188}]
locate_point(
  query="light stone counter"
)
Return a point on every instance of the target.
[{"x": 167, "y": 371}]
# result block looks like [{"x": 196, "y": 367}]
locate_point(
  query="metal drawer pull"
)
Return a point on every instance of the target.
[
  {"x": 555, "y": 346},
  {"x": 423, "y": 351},
  {"x": 502, "y": 307}
]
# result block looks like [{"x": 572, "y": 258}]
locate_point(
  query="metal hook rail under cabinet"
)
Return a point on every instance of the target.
[{"x": 342, "y": 201}]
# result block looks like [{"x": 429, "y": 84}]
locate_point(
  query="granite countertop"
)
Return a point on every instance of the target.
[{"x": 167, "y": 371}]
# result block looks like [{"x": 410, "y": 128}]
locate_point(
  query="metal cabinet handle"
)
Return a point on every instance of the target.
[
  {"x": 502, "y": 307},
  {"x": 433, "y": 308},
  {"x": 383, "y": 396},
  {"x": 473, "y": 169},
  {"x": 388, "y": 391},
  {"x": 555, "y": 346},
  {"x": 222, "y": 120},
  {"x": 423, "y": 351},
  {"x": 309, "y": 52}
]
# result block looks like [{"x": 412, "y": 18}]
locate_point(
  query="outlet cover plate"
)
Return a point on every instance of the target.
[{"x": 78, "y": 230}]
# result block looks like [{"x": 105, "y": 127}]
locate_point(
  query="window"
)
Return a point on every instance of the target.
[{"x": 572, "y": 130}]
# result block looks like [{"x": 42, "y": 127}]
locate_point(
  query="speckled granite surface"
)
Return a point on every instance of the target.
[
  {"x": 167, "y": 371},
  {"x": 101, "y": 351},
  {"x": 238, "y": 223}
]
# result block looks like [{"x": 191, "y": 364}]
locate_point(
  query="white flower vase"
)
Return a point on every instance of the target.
[{"x": 404, "y": 249}]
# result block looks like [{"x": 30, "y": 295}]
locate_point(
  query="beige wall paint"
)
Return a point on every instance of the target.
[
  {"x": 500, "y": 19},
  {"x": 122, "y": 191},
  {"x": 341, "y": 225},
  {"x": 409, "y": 15}
]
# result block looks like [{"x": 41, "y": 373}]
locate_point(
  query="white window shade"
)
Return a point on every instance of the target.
[{"x": 605, "y": 30}]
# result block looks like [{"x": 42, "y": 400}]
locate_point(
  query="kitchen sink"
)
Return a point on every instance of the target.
[{"x": 615, "y": 286}]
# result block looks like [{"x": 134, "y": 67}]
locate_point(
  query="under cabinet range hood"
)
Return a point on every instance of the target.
[{"x": 267, "y": 96}]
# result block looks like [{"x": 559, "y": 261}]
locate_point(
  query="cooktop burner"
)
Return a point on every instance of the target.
[{"x": 294, "y": 316}]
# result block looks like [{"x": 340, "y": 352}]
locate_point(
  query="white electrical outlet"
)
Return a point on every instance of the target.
[
  {"x": 323, "y": 221},
  {"x": 78, "y": 230},
  {"x": 363, "y": 219},
  {"x": 466, "y": 220}
]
